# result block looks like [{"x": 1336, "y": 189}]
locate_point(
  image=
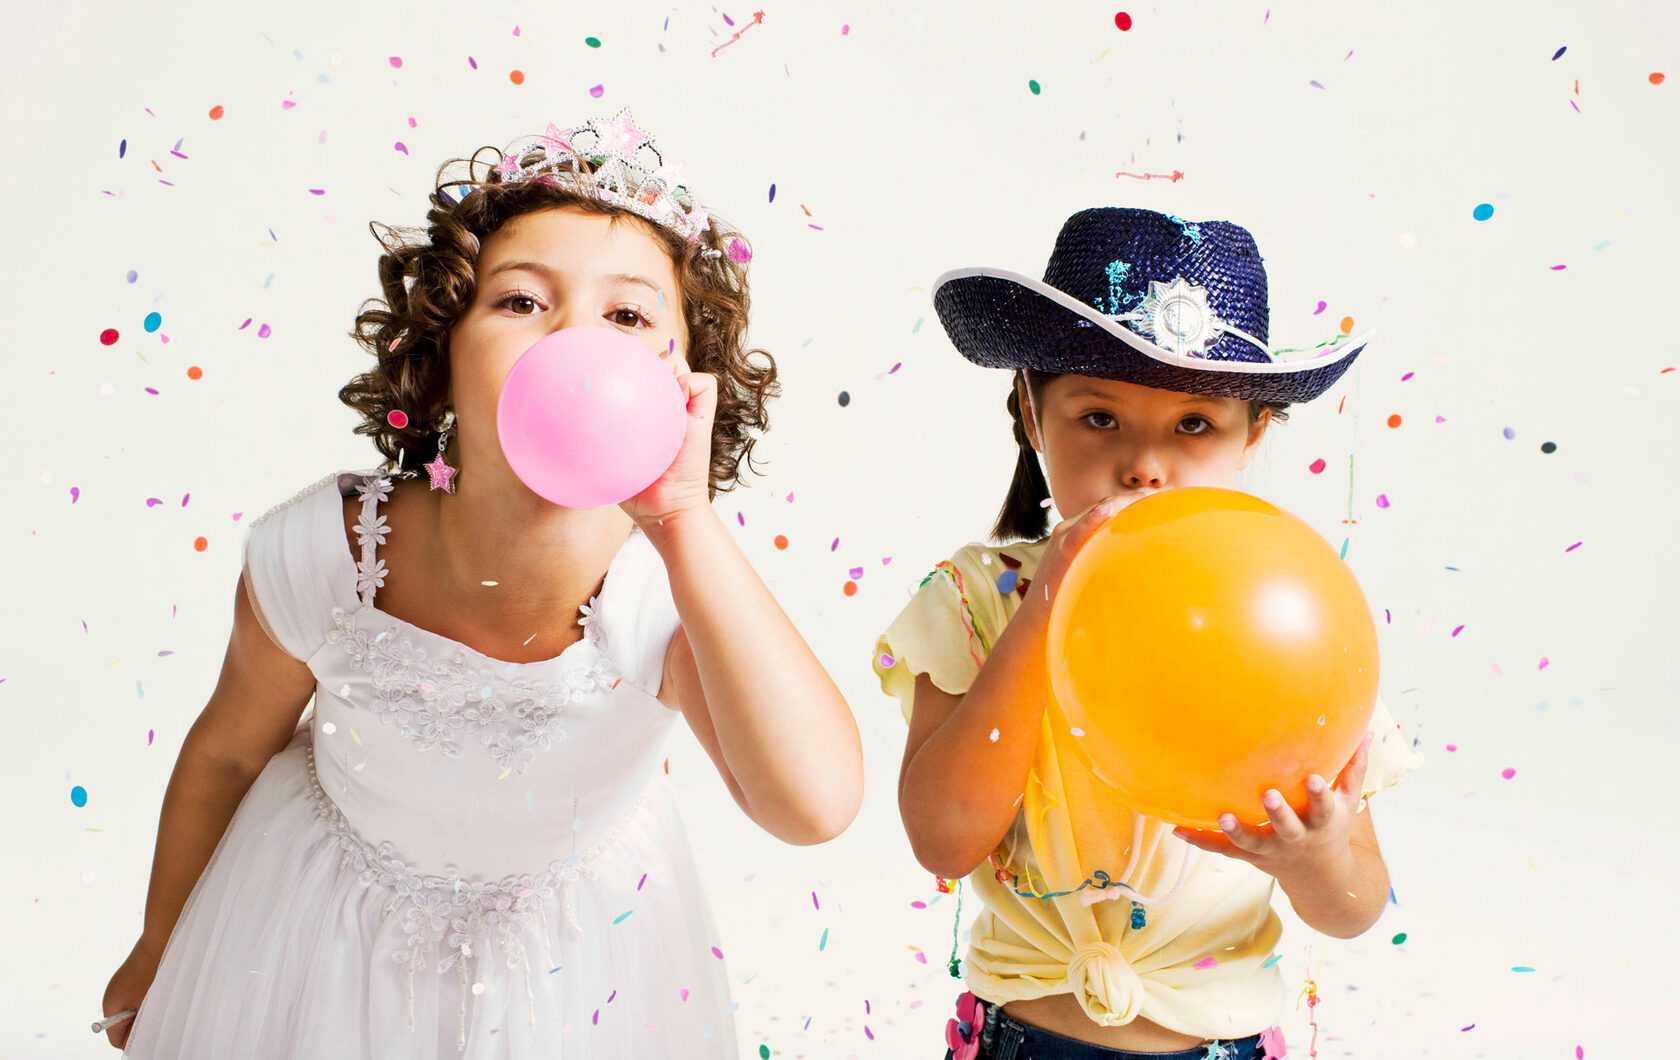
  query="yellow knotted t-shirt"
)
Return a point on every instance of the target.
[{"x": 1191, "y": 953}]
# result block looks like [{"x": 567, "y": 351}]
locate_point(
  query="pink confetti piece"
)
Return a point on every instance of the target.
[
  {"x": 1573, "y": 547},
  {"x": 1317, "y": 466},
  {"x": 684, "y": 993},
  {"x": 1207, "y": 962},
  {"x": 1457, "y": 630},
  {"x": 75, "y": 494},
  {"x": 1507, "y": 773},
  {"x": 739, "y": 252},
  {"x": 1382, "y": 500},
  {"x": 1452, "y": 747},
  {"x": 396, "y": 62},
  {"x": 717, "y": 953},
  {"x": 400, "y": 146},
  {"x": 1320, "y": 309},
  {"x": 264, "y": 332},
  {"x": 597, "y": 91},
  {"x": 854, "y": 573},
  {"x": 1544, "y": 662},
  {"x": 1407, "y": 377}
]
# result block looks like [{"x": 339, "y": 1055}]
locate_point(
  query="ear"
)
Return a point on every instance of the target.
[
  {"x": 1029, "y": 410},
  {"x": 1255, "y": 432}
]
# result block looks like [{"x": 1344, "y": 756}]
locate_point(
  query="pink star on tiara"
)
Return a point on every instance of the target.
[
  {"x": 620, "y": 136},
  {"x": 557, "y": 139},
  {"x": 508, "y": 166}
]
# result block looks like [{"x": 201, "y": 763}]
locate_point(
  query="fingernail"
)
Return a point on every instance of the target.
[
  {"x": 1228, "y": 822},
  {"x": 1271, "y": 800},
  {"x": 1315, "y": 783}
]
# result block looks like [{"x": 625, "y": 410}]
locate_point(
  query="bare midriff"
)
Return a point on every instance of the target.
[{"x": 1061, "y": 1014}]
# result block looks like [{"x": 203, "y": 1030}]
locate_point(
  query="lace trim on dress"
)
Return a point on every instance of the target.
[
  {"x": 443, "y": 916},
  {"x": 434, "y": 702}
]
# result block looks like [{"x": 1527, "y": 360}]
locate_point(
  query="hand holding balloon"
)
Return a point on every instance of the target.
[{"x": 1295, "y": 846}]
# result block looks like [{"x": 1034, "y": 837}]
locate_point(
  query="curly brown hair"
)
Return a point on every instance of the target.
[{"x": 428, "y": 279}]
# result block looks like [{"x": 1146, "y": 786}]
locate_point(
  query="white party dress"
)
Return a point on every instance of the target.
[{"x": 456, "y": 856}]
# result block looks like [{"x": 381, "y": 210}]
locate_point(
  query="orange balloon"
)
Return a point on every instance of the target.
[{"x": 1206, "y": 646}]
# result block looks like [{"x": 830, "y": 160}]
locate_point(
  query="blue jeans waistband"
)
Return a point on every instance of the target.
[{"x": 1005, "y": 1038}]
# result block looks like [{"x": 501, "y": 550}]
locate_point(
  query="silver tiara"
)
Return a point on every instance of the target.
[{"x": 629, "y": 171}]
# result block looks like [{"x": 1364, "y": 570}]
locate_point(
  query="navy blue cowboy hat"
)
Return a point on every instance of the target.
[{"x": 1141, "y": 297}]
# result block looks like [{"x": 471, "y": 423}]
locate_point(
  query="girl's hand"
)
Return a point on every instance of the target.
[
  {"x": 128, "y": 987},
  {"x": 1069, "y": 537},
  {"x": 686, "y": 484},
  {"x": 1296, "y": 848}
]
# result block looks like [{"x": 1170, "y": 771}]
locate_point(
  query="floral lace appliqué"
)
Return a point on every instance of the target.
[{"x": 443, "y": 703}]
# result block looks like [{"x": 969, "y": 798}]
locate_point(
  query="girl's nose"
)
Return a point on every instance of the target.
[{"x": 1143, "y": 471}]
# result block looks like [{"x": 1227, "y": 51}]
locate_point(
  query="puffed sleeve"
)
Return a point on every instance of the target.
[
  {"x": 295, "y": 555},
  {"x": 944, "y": 632}
]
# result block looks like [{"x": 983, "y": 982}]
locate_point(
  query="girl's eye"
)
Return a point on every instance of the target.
[
  {"x": 1102, "y": 421},
  {"x": 1195, "y": 425},
  {"x": 520, "y": 304},
  {"x": 629, "y": 318}
]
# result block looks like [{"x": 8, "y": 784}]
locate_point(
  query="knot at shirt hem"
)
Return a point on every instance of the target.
[{"x": 1107, "y": 988}]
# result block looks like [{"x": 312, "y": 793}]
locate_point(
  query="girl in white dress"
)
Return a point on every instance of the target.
[{"x": 469, "y": 847}]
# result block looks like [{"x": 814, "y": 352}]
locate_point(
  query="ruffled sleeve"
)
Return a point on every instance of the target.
[
  {"x": 1391, "y": 756},
  {"x": 945, "y": 631}
]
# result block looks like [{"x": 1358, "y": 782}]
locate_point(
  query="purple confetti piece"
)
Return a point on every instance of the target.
[
  {"x": 75, "y": 494},
  {"x": 472, "y": 62},
  {"x": 317, "y": 191},
  {"x": 1573, "y": 547},
  {"x": 122, "y": 149},
  {"x": 1559, "y": 53},
  {"x": 245, "y": 325},
  {"x": 152, "y": 502},
  {"x": 400, "y": 146},
  {"x": 597, "y": 91},
  {"x": 1315, "y": 84},
  {"x": 184, "y": 499},
  {"x": 264, "y": 332},
  {"x": 855, "y": 573}
]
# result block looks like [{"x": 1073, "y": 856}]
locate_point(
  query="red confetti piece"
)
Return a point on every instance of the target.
[
  {"x": 1123, "y": 21},
  {"x": 216, "y": 112},
  {"x": 109, "y": 337},
  {"x": 1317, "y": 466}
]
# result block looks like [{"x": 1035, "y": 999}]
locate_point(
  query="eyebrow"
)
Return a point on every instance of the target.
[
  {"x": 550, "y": 274},
  {"x": 1189, "y": 399}
]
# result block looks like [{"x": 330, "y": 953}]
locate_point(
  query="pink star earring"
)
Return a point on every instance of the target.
[{"x": 443, "y": 476}]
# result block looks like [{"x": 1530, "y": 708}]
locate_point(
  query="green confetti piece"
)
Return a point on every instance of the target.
[
  {"x": 764, "y": 1052},
  {"x": 822, "y": 943},
  {"x": 1033, "y": 85},
  {"x": 593, "y": 42},
  {"x": 1522, "y": 968},
  {"x": 1398, "y": 939}
]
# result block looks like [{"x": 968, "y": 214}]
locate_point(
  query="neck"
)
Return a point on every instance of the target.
[{"x": 540, "y": 556}]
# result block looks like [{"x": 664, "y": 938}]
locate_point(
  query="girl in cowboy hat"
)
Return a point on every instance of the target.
[{"x": 1140, "y": 364}]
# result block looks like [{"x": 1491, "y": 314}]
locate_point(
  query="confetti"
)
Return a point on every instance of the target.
[
  {"x": 1033, "y": 87},
  {"x": 396, "y": 62},
  {"x": 109, "y": 336},
  {"x": 1398, "y": 939},
  {"x": 1483, "y": 211},
  {"x": 845, "y": 398},
  {"x": 152, "y": 322},
  {"x": 517, "y": 76},
  {"x": 1122, "y": 21},
  {"x": 1559, "y": 53},
  {"x": 1394, "y": 420},
  {"x": 1317, "y": 466},
  {"x": 1657, "y": 78},
  {"x": 598, "y": 91},
  {"x": 593, "y": 42},
  {"x": 1507, "y": 773},
  {"x": 78, "y": 796}
]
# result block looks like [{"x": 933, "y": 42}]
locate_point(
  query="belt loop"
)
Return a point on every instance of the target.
[{"x": 1010, "y": 1034}]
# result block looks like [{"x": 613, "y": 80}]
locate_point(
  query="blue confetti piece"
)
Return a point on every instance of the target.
[
  {"x": 1006, "y": 581},
  {"x": 1273, "y": 959},
  {"x": 619, "y": 919}
]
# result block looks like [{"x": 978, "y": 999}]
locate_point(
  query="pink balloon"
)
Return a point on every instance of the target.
[{"x": 589, "y": 416}]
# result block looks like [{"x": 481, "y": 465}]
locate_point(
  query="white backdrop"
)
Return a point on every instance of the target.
[{"x": 1355, "y": 140}]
